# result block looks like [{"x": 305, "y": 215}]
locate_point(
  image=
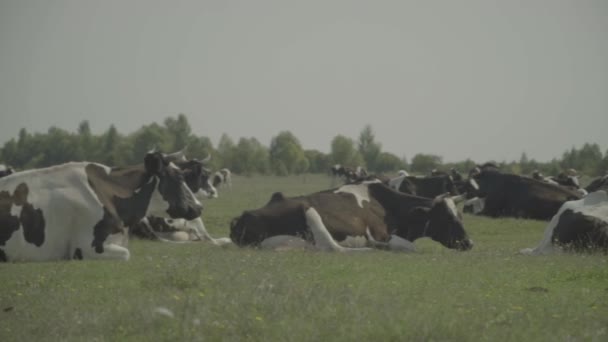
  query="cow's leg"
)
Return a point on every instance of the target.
[
  {"x": 323, "y": 239},
  {"x": 201, "y": 232},
  {"x": 395, "y": 243},
  {"x": 108, "y": 251},
  {"x": 546, "y": 244},
  {"x": 95, "y": 244}
]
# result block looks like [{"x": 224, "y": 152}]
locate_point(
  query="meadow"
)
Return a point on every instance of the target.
[{"x": 199, "y": 292}]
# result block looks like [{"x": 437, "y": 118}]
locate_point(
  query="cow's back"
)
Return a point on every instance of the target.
[
  {"x": 513, "y": 195},
  {"x": 47, "y": 202}
]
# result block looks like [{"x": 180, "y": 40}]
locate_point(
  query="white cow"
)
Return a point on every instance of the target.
[{"x": 79, "y": 210}]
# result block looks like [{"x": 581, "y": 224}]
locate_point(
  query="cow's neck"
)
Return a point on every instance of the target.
[
  {"x": 402, "y": 207},
  {"x": 125, "y": 191},
  {"x": 132, "y": 209},
  {"x": 396, "y": 202}
]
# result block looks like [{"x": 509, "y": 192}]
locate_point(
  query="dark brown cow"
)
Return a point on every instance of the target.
[
  {"x": 366, "y": 208},
  {"x": 518, "y": 196}
]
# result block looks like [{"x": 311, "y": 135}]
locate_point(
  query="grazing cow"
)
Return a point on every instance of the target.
[
  {"x": 360, "y": 209},
  {"x": 600, "y": 183},
  {"x": 5, "y": 171},
  {"x": 80, "y": 210},
  {"x": 222, "y": 177},
  {"x": 578, "y": 225},
  {"x": 518, "y": 196}
]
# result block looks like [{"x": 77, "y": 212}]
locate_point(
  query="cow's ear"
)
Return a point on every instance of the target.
[
  {"x": 440, "y": 198},
  {"x": 154, "y": 163},
  {"x": 276, "y": 197}
]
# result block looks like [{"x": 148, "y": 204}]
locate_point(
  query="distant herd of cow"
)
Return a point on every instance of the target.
[{"x": 83, "y": 210}]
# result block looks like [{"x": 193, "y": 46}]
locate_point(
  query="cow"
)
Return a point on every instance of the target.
[
  {"x": 429, "y": 187},
  {"x": 5, "y": 170},
  {"x": 80, "y": 209},
  {"x": 350, "y": 211},
  {"x": 564, "y": 179},
  {"x": 198, "y": 180},
  {"x": 349, "y": 174},
  {"x": 580, "y": 225},
  {"x": 513, "y": 195},
  {"x": 222, "y": 177},
  {"x": 600, "y": 183}
]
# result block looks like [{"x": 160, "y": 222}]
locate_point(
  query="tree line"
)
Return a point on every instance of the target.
[{"x": 284, "y": 156}]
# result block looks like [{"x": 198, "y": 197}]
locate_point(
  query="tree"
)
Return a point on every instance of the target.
[
  {"x": 424, "y": 163},
  {"x": 343, "y": 152},
  {"x": 286, "y": 154},
  {"x": 179, "y": 131},
  {"x": 225, "y": 151},
  {"x": 388, "y": 162},
  {"x": 250, "y": 157},
  {"x": 150, "y": 137},
  {"x": 319, "y": 161},
  {"x": 109, "y": 142},
  {"x": 368, "y": 147}
]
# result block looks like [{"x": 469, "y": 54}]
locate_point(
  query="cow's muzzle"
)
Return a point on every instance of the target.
[
  {"x": 464, "y": 245},
  {"x": 188, "y": 213}
]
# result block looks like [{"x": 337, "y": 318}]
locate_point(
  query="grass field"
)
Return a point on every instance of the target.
[{"x": 487, "y": 294}]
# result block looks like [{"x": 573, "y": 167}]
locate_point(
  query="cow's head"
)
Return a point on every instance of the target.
[
  {"x": 441, "y": 222},
  {"x": 445, "y": 225},
  {"x": 171, "y": 190},
  {"x": 198, "y": 179}
]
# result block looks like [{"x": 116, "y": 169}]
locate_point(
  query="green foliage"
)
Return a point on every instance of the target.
[
  {"x": 343, "y": 152},
  {"x": 285, "y": 155},
  {"x": 386, "y": 162},
  {"x": 319, "y": 162},
  {"x": 424, "y": 163},
  {"x": 369, "y": 149}
]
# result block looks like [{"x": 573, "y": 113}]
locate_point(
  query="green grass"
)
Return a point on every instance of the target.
[{"x": 487, "y": 294}]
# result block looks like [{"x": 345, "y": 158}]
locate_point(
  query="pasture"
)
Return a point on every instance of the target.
[{"x": 198, "y": 292}]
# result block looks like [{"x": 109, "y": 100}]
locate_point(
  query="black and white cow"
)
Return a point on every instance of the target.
[
  {"x": 222, "y": 177},
  {"x": 431, "y": 186},
  {"x": 368, "y": 208},
  {"x": 578, "y": 225},
  {"x": 503, "y": 194},
  {"x": 5, "y": 171},
  {"x": 600, "y": 183},
  {"x": 198, "y": 180},
  {"x": 80, "y": 210}
]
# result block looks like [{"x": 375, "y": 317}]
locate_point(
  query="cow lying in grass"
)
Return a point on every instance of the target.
[
  {"x": 578, "y": 226},
  {"x": 80, "y": 210},
  {"x": 365, "y": 209}
]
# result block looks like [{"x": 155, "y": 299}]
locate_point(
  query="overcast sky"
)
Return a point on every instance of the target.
[{"x": 481, "y": 79}]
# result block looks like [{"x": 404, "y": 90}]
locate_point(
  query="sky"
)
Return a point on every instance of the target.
[{"x": 480, "y": 79}]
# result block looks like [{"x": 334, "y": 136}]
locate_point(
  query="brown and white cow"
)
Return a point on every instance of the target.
[
  {"x": 222, "y": 177},
  {"x": 80, "y": 210},
  {"x": 368, "y": 208},
  {"x": 578, "y": 225}
]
